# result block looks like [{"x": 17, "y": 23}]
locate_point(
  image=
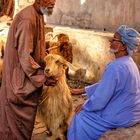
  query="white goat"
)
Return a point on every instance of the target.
[{"x": 56, "y": 109}]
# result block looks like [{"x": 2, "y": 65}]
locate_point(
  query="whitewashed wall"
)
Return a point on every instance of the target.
[{"x": 97, "y": 14}]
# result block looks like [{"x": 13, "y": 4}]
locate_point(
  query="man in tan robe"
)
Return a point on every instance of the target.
[{"x": 23, "y": 75}]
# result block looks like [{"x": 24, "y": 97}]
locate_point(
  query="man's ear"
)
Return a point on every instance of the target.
[{"x": 123, "y": 47}]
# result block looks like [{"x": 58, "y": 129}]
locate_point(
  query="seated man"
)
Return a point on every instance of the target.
[{"x": 115, "y": 101}]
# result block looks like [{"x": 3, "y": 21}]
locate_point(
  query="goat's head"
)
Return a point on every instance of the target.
[{"x": 56, "y": 65}]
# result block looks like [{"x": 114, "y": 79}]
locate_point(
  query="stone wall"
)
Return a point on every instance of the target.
[{"x": 97, "y": 14}]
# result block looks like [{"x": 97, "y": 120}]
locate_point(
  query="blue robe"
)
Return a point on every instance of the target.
[{"x": 113, "y": 102}]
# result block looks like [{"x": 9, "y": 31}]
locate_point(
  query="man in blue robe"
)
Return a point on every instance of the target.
[{"x": 115, "y": 101}]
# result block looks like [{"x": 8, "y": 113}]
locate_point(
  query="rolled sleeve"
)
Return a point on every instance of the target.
[
  {"x": 90, "y": 89},
  {"x": 103, "y": 93}
]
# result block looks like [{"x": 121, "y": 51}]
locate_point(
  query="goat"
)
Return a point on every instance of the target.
[
  {"x": 57, "y": 108},
  {"x": 59, "y": 44}
]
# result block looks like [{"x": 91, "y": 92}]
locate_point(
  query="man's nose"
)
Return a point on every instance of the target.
[{"x": 49, "y": 3}]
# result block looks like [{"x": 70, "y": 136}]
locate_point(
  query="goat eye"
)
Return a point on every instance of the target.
[{"x": 57, "y": 61}]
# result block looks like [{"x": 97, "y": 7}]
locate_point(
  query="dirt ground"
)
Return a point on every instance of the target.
[{"x": 40, "y": 132}]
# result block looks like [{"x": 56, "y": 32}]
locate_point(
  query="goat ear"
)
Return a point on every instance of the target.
[
  {"x": 45, "y": 58},
  {"x": 68, "y": 64},
  {"x": 65, "y": 66}
]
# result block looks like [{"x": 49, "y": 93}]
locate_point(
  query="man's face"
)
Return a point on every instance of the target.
[
  {"x": 47, "y": 7},
  {"x": 116, "y": 43}
]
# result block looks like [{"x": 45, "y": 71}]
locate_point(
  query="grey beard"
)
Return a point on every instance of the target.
[{"x": 46, "y": 11}]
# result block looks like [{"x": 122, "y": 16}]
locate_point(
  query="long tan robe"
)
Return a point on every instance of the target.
[{"x": 23, "y": 75}]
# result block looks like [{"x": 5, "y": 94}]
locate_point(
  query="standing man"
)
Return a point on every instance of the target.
[{"x": 23, "y": 75}]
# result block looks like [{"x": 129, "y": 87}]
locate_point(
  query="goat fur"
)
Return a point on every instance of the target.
[{"x": 57, "y": 108}]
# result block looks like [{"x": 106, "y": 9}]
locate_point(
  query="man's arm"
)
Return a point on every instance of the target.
[
  {"x": 103, "y": 92},
  {"x": 91, "y": 89},
  {"x": 24, "y": 43}
]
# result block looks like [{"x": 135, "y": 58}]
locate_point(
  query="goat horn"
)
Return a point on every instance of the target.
[
  {"x": 52, "y": 48},
  {"x": 71, "y": 66}
]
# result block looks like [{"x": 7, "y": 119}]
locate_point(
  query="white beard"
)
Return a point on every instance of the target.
[
  {"x": 113, "y": 50},
  {"x": 46, "y": 10}
]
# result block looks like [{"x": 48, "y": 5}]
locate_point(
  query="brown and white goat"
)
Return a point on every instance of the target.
[{"x": 57, "y": 108}]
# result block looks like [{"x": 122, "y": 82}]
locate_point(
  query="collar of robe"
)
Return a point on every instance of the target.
[{"x": 37, "y": 7}]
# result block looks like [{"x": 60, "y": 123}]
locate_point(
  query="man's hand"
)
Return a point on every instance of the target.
[
  {"x": 77, "y": 91},
  {"x": 50, "y": 81}
]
